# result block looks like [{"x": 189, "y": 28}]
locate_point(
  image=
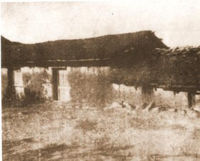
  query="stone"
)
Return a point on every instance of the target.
[
  {"x": 171, "y": 109},
  {"x": 114, "y": 105},
  {"x": 156, "y": 109},
  {"x": 192, "y": 113},
  {"x": 150, "y": 106},
  {"x": 197, "y": 108}
]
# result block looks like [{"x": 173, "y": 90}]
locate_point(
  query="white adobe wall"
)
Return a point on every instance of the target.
[
  {"x": 64, "y": 87},
  {"x": 18, "y": 83}
]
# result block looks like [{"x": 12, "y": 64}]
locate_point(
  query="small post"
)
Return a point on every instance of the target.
[
  {"x": 10, "y": 91},
  {"x": 55, "y": 77},
  {"x": 147, "y": 94},
  {"x": 191, "y": 99}
]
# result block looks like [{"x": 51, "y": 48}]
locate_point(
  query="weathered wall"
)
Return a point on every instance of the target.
[{"x": 92, "y": 85}]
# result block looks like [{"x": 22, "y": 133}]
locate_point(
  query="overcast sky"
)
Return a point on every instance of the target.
[{"x": 177, "y": 22}]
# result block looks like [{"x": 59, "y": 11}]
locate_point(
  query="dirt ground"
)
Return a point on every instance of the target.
[{"x": 63, "y": 131}]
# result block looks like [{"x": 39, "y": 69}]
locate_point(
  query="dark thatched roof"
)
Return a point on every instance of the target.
[
  {"x": 179, "y": 51},
  {"x": 176, "y": 69},
  {"x": 109, "y": 47}
]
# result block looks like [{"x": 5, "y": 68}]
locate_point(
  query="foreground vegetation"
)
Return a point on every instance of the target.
[{"x": 66, "y": 131}]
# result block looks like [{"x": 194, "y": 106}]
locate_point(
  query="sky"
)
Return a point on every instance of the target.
[{"x": 177, "y": 22}]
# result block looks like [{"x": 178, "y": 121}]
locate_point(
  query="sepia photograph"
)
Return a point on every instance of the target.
[{"x": 100, "y": 80}]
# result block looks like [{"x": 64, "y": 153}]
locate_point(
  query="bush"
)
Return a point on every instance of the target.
[
  {"x": 95, "y": 90},
  {"x": 34, "y": 90}
]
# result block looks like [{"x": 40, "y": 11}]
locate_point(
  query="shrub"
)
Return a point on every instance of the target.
[
  {"x": 95, "y": 90},
  {"x": 34, "y": 89}
]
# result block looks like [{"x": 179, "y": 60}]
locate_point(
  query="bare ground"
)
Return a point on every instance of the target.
[{"x": 62, "y": 131}]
